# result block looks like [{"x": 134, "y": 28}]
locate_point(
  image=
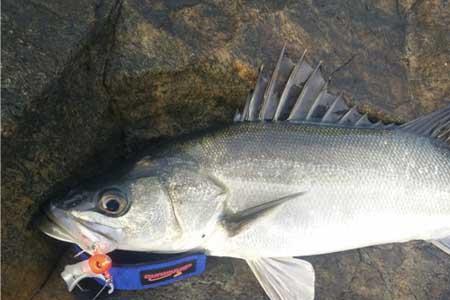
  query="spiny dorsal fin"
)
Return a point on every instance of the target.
[
  {"x": 237, "y": 117},
  {"x": 276, "y": 86},
  {"x": 350, "y": 117},
  {"x": 298, "y": 93},
  {"x": 321, "y": 105},
  {"x": 378, "y": 124},
  {"x": 246, "y": 110},
  {"x": 257, "y": 97},
  {"x": 308, "y": 95},
  {"x": 296, "y": 80},
  {"x": 363, "y": 121},
  {"x": 337, "y": 110}
]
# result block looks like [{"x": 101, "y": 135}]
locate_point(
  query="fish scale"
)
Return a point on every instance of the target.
[{"x": 362, "y": 172}]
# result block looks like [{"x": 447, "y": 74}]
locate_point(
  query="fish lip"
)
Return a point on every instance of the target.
[
  {"x": 89, "y": 224},
  {"x": 55, "y": 224},
  {"x": 49, "y": 225}
]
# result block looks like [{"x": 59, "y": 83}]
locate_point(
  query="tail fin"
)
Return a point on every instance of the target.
[{"x": 436, "y": 124}]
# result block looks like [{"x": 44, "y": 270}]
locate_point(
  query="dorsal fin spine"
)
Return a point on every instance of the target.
[
  {"x": 288, "y": 86},
  {"x": 237, "y": 116},
  {"x": 378, "y": 124},
  {"x": 246, "y": 108},
  {"x": 255, "y": 101},
  {"x": 327, "y": 115},
  {"x": 298, "y": 104},
  {"x": 269, "y": 91},
  {"x": 317, "y": 101},
  {"x": 347, "y": 115},
  {"x": 363, "y": 121}
]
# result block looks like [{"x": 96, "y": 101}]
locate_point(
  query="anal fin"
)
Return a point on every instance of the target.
[{"x": 284, "y": 278}]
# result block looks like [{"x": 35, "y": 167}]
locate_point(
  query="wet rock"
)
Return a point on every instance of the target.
[
  {"x": 415, "y": 270},
  {"x": 84, "y": 84},
  {"x": 63, "y": 128},
  {"x": 426, "y": 54}
]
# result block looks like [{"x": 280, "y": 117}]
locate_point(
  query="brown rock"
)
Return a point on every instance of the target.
[{"x": 60, "y": 128}]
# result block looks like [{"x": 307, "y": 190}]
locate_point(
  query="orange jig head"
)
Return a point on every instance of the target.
[{"x": 100, "y": 264}]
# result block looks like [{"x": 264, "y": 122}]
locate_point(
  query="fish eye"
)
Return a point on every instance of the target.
[{"x": 113, "y": 202}]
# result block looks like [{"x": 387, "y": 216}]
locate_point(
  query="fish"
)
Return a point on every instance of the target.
[{"x": 298, "y": 173}]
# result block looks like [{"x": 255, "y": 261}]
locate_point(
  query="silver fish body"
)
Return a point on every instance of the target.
[{"x": 358, "y": 187}]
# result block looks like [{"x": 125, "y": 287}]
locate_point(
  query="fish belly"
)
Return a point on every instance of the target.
[{"x": 328, "y": 222}]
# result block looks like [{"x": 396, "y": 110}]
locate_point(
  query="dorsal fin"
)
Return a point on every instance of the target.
[
  {"x": 298, "y": 93},
  {"x": 296, "y": 80},
  {"x": 378, "y": 124},
  {"x": 350, "y": 117},
  {"x": 321, "y": 105},
  {"x": 337, "y": 110},
  {"x": 363, "y": 121},
  {"x": 240, "y": 117},
  {"x": 257, "y": 97},
  {"x": 436, "y": 125},
  {"x": 276, "y": 86},
  {"x": 308, "y": 95}
]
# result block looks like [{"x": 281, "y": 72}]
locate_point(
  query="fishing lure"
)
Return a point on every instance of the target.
[{"x": 149, "y": 272}]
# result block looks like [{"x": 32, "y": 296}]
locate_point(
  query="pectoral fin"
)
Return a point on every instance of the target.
[
  {"x": 235, "y": 223},
  {"x": 443, "y": 244},
  {"x": 284, "y": 278}
]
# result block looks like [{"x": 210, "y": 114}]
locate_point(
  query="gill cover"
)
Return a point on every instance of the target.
[{"x": 197, "y": 200}]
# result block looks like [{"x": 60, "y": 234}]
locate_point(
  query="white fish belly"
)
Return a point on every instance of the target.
[
  {"x": 350, "y": 212},
  {"x": 310, "y": 225}
]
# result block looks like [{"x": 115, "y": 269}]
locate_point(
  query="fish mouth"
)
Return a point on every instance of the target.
[
  {"x": 51, "y": 228},
  {"x": 61, "y": 225}
]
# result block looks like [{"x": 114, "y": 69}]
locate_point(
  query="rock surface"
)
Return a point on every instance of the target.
[{"x": 85, "y": 83}]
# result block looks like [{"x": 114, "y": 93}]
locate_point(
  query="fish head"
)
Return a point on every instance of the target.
[{"x": 131, "y": 213}]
